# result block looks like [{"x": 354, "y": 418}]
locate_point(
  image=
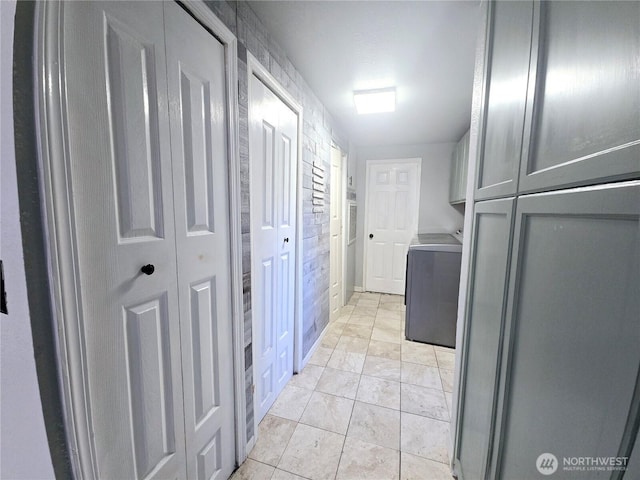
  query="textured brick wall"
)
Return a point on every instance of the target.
[{"x": 319, "y": 131}]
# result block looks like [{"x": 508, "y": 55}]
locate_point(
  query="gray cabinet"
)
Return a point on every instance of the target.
[
  {"x": 481, "y": 352},
  {"x": 505, "y": 95},
  {"x": 573, "y": 330},
  {"x": 551, "y": 343},
  {"x": 458, "y": 177},
  {"x": 583, "y": 111}
]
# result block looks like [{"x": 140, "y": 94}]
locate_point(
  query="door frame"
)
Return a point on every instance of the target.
[
  {"x": 369, "y": 163},
  {"x": 343, "y": 221},
  {"x": 62, "y": 259},
  {"x": 255, "y": 68}
]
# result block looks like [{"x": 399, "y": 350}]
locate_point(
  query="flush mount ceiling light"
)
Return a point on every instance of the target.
[{"x": 375, "y": 101}]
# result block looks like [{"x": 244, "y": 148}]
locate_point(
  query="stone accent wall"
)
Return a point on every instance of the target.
[{"x": 319, "y": 131}]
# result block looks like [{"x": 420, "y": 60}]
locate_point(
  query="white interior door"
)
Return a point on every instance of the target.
[
  {"x": 155, "y": 340},
  {"x": 335, "y": 232},
  {"x": 273, "y": 156},
  {"x": 392, "y": 199},
  {"x": 199, "y": 121}
]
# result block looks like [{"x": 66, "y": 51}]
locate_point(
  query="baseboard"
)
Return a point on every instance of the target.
[
  {"x": 312, "y": 350},
  {"x": 358, "y": 289}
]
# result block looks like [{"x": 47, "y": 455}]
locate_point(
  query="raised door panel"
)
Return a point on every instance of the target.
[
  {"x": 119, "y": 166},
  {"x": 505, "y": 98},
  {"x": 483, "y": 333},
  {"x": 199, "y": 121},
  {"x": 573, "y": 364},
  {"x": 585, "y": 126}
]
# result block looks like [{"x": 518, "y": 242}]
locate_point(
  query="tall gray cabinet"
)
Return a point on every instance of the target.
[{"x": 551, "y": 344}]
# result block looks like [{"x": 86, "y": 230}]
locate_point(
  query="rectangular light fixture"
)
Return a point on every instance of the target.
[{"x": 375, "y": 101}]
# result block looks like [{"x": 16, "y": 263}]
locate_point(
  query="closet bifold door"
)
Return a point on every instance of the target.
[
  {"x": 505, "y": 94},
  {"x": 583, "y": 125},
  {"x": 569, "y": 382},
  {"x": 484, "y": 325}
]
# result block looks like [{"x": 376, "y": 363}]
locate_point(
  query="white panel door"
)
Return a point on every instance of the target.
[
  {"x": 120, "y": 168},
  {"x": 392, "y": 199},
  {"x": 273, "y": 155},
  {"x": 150, "y": 228},
  {"x": 199, "y": 121},
  {"x": 335, "y": 232}
]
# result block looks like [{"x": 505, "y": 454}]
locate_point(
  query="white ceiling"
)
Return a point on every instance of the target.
[{"x": 425, "y": 49}]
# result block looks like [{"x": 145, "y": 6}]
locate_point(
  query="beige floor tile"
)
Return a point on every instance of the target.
[
  {"x": 427, "y": 402},
  {"x": 387, "y": 298},
  {"x": 446, "y": 360},
  {"x": 321, "y": 356},
  {"x": 447, "y": 379},
  {"x": 252, "y": 470},
  {"x": 374, "y": 424},
  {"x": 422, "y": 353},
  {"x": 425, "y": 437},
  {"x": 384, "y": 349},
  {"x": 363, "y": 460},
  {"x": 367, "y": 303},
  {"x": 282, "y": 475},
  {"x": 389, "y": 323},
  {"x": 392, "y": 307},
  {"x": 347, "y": 309},
  {"x": 291, "y": 402},
  {"x": 312, "y": 453},
  {"x": 352, "y": 344},
  {"x": 347, "y": 361},
  {"x": 273, "y": 436},
  {"x": 389, "y": 315},
  {"x": 366, "y": 311},
  {"x": 413, "y": 467},
  {"x": 336, "y": 328},
  {"x": 308, "y": 378},
  {"x": 364, "y": 320},
  {"x": 328, "y": 412},
  {"x": 382, "y": 367},
  {"x": 329, "y": 340},
  {"x": 422, "y": 375},
  {"x": 338, "y": 382},
  {"x": 370, "y": 295},
  {"x": 386, "y": 335},
  {"x": 360, "y": 331},
  {"x": 378, "y": 391}
]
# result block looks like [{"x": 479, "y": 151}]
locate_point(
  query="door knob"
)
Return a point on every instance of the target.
[
  {"x": 286, "y": 239},
  {"x": 148, "y": 269},
  {"x": 371, "y": 235}
]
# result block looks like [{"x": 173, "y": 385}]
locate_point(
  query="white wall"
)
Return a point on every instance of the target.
[
  {"x": 24, "y": 452},
  {"x": 435, "y": 214}
]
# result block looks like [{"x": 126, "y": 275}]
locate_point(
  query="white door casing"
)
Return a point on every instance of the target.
[
  {"x": 391, "y": 221},
  {"x": 273, "y": 152},
  {"x": 114, "y": 203},
  {"x": 335, "y": 232}
]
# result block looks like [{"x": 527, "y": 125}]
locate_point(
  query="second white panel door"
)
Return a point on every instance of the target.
[
  {"x": 392, "y": 198},
  {"x": 273, "y": 154}
]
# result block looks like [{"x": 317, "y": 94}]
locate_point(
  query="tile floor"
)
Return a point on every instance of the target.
[{"x": 368, "y": 405}]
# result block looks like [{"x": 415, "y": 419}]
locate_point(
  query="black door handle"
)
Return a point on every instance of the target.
[
  {"x": 371, "y": 235},
  {"x": 286, "y": 240},
  {"x": 148, "y": 269}
]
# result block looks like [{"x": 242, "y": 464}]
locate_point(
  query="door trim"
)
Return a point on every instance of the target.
[
  {"x": 61, "y": 252},
  {"x": 414, "y": 160},
  {"x": 254, "y": 67}
]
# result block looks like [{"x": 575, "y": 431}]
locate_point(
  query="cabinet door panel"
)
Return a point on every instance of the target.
[
  {"x": 505, "y": 98},
  {"x": 585, "y": 125},
  {"x": 484, "y": 325},
  {"x": 574, "y": 328}
]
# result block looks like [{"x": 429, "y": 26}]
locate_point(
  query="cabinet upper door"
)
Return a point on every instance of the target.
[
  {"x": 584, "y": 124},
  {"x": 505, "y": 98}
]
